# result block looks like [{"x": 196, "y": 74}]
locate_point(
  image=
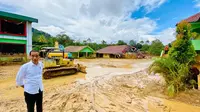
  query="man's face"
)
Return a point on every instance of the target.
[{"x": 34, "y": 57}]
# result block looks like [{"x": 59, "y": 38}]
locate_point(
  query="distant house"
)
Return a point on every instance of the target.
[
  {"x": 80, "y": 51},
  {"x": 114, "y": 51}
]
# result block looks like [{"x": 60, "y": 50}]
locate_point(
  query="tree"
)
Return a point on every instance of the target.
[
  {"x": 84, "y": 42},
  {"x": 182, "y": 49},
  {"x": 138, "y": 46},
  {"x": 42, "y": 39},
  {"x": 145, "y": 47},
  {"x": 103, "y": 42},
  {"x": 121, "y": 42},
  {"x": 64, "y": 40},
  {"x": 141, "y": 42},
  {"x": 89, "y": 40},
  {"x": 132, "y": 43},
  {"x": 147, "y": 42},
  {"x": 51, "y": 42},
  {"x": 156, "y": 47}
]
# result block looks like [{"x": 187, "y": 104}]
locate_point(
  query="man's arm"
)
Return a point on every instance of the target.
[{"x": 20, "y": 77}]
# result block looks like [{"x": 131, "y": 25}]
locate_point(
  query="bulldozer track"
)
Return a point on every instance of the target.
[{"x": 55, "y": 72}]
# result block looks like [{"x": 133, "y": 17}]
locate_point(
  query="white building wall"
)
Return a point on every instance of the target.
[
  {"x": 29, "y": 37},
  {"x": 12, "y": 37}
]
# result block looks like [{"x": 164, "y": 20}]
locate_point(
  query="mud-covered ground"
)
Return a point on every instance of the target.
[{"x": 110, "y": 85}]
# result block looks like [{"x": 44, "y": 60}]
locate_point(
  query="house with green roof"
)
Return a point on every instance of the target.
[
  {"x": 80, "y": 51},
  {"x": 15, "y": 33}
]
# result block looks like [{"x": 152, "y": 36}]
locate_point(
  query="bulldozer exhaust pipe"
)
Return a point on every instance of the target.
[{"x": 63, "y": 54}]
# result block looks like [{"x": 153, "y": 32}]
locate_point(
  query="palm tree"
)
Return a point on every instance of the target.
[{"x": 42, "y": 39}]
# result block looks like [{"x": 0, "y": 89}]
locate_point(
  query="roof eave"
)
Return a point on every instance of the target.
[{"x": 17, "y": 17}]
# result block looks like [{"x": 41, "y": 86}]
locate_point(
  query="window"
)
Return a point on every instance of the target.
[{"x": 12, "y": 28}]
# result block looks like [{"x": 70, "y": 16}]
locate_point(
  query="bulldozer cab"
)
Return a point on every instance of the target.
[{"x": 44, "y": 51}]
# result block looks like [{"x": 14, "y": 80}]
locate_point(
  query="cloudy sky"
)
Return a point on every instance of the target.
[{"x": 108, "y": 20}]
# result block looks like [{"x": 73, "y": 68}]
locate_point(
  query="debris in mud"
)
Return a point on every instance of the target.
[{"x": 117, "y": 92}]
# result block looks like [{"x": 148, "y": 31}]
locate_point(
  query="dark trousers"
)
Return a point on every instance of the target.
[{"x": 31, "y": 99}]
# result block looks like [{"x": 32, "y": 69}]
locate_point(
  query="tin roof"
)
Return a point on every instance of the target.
[
  {"x": 114, "y": 49},
  {"x": 193, "y": 18},
  {"x": 76, "y": 48}
]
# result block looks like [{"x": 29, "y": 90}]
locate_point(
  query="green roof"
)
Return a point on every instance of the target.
[
  {"x": 196, "y": 44},
  {"x": 17, "y": 17}
]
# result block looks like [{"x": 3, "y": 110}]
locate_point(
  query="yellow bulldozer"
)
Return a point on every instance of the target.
[{"x": 58, "y": 63}]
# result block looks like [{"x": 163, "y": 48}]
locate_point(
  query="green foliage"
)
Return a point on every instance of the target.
[
  {"x": 103, "y": 42},
  {"x": 156, "y": 47},
  {"x": 182, "y": 49},
  {"x": 195, "y": 35},
  {"x": 174, "y": 73},
  {"x": 141, "y": 42},
  {"x": 176, "y": 68},
  {"x": 132, "y": 43},
  {"x": 64, "y": 40},
  {"x": 138, "y": 46},
  {"x": 96, "y": 46},
  {"x": 37, "y": 32},
  {"x": 145, "y": 47},
  {"x": 121, "y": 42},
  {"x": 171, "y": 90},
  {"x": 147, "y": 42},
  {"x": 42, "y": 39}
]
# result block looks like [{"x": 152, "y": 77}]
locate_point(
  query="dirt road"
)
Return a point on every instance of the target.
[{"x": 110, "y": 85}]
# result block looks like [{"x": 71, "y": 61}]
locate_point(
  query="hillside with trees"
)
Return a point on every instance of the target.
[{"x": 43, "y": 39}]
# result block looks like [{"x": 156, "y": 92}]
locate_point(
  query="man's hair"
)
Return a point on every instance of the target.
[{"x": 32, "y": 51}]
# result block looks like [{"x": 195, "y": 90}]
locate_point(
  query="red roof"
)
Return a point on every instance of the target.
[
  {"x": 114, "y": 49},
  {"x": 193, "y": 18},
  {"x": 74, "y": 48}
]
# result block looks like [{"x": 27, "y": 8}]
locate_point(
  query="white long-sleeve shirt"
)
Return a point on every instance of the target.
[{"x": 30, "y": 76}]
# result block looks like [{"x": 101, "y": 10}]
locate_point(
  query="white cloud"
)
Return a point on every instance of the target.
[
  {"x": 96, "y": 19},
  {"x": 197, "y": 3},
  {"x": 53, "y": 29},
  {"x": 166, "y": 36}
]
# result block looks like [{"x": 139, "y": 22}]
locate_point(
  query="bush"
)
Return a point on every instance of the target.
[
  {"x": 174, "y": 73},
  {"x": 182, "y": 49},
  {"x": 145, "y": 47},
  {"x": 176, "y": 69}
]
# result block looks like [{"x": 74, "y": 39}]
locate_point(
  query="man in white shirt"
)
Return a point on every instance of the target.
[{"x": 30, "y": 78}]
